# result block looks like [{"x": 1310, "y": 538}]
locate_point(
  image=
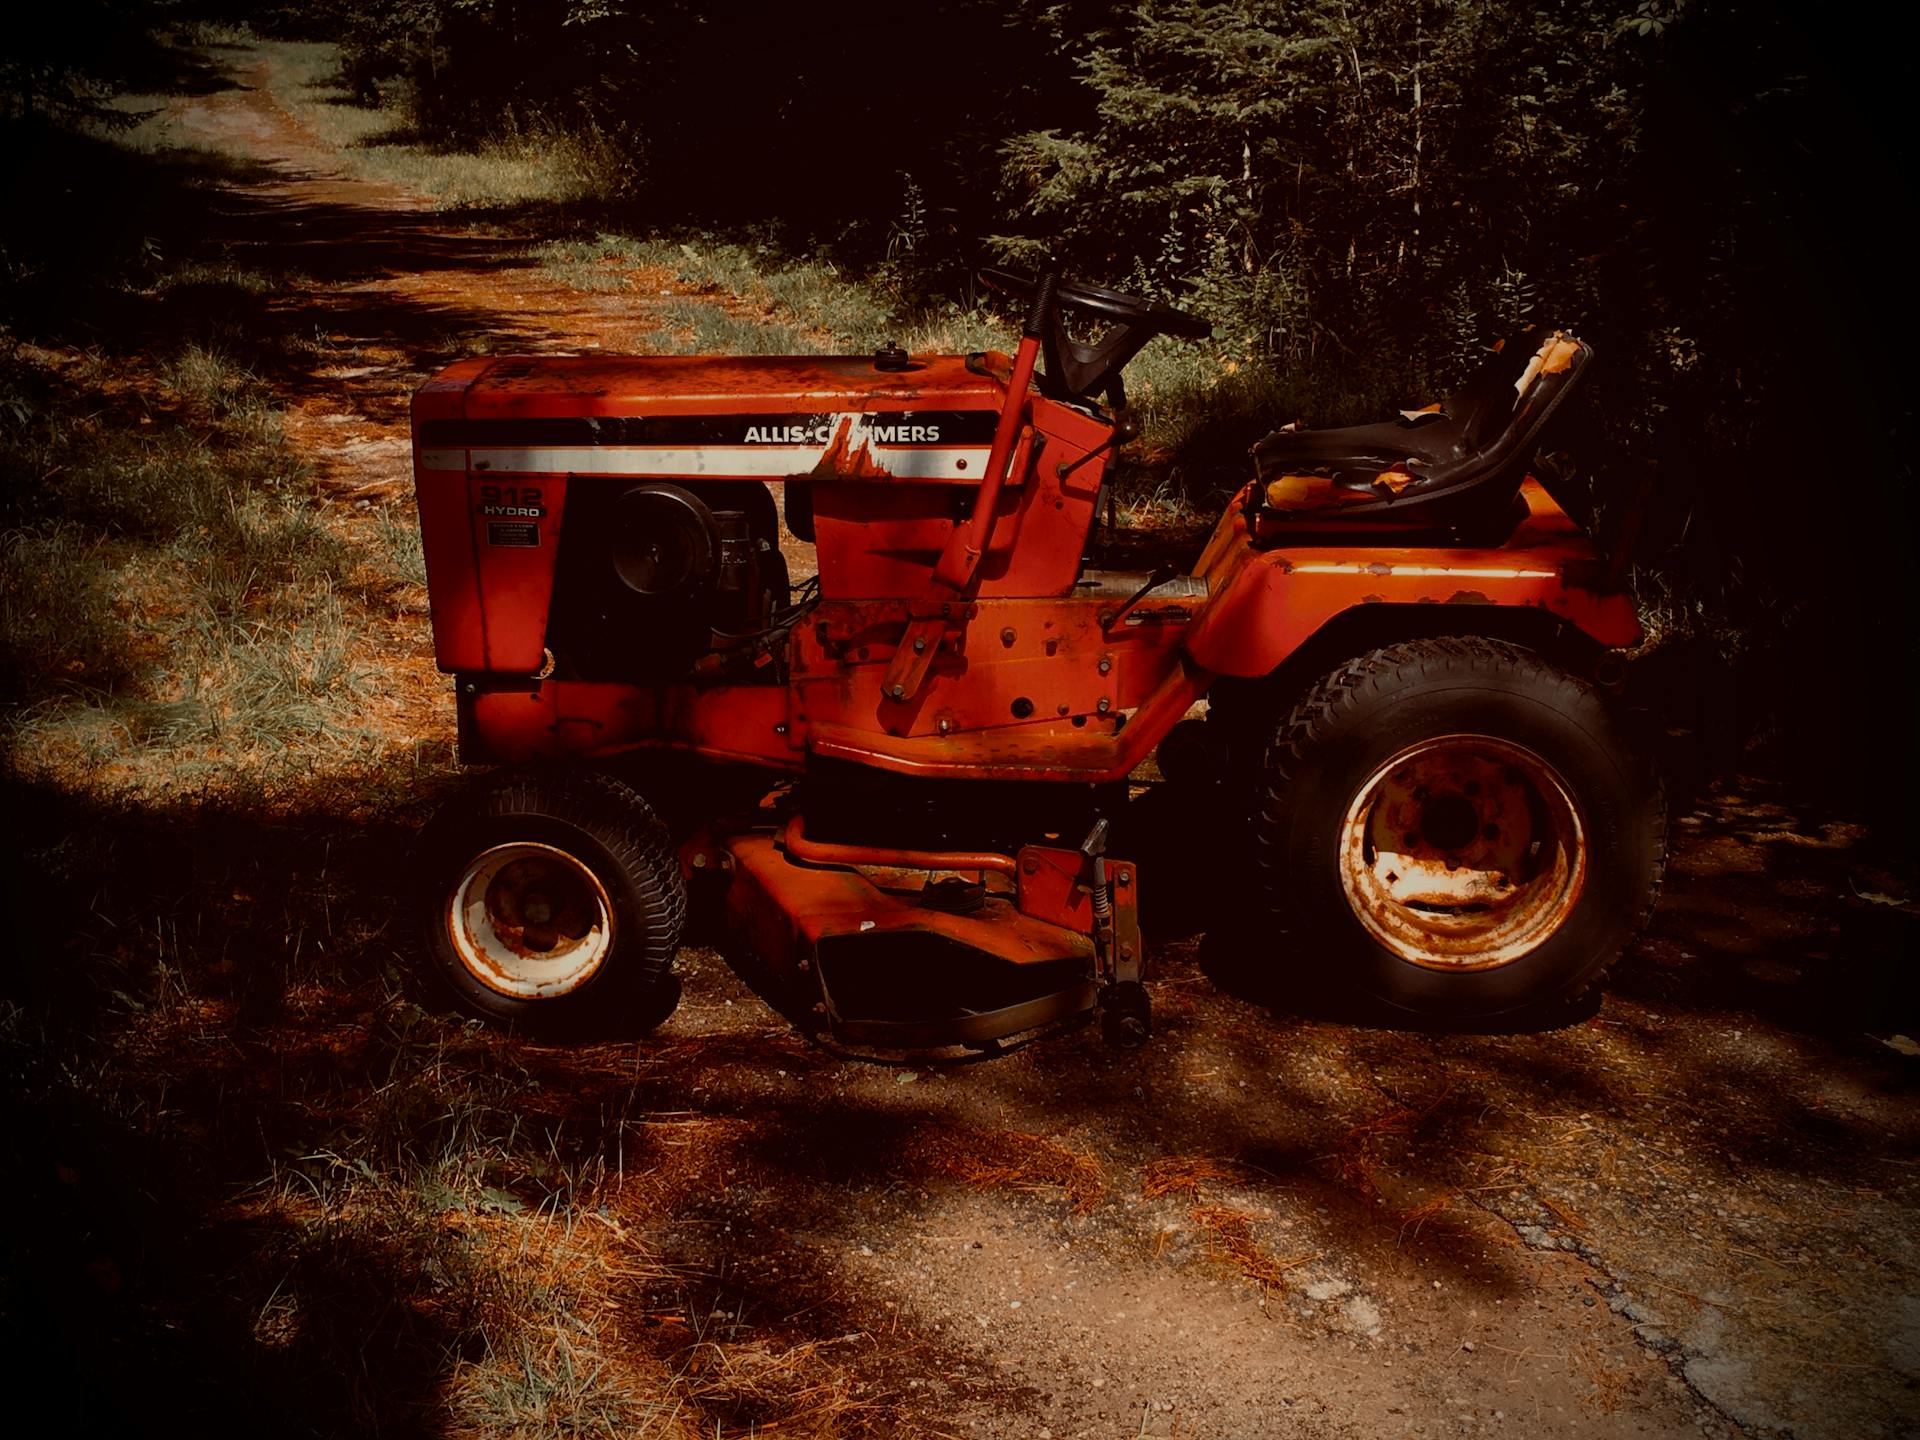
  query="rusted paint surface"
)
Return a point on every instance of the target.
[
  {"x": 885, "y": 541},
  {"x": 991, "y": 655},
  {"x": 785, "y": 910},
  {"x": 1053, "y": 887},
  {"x": 535, "y": 386},
  {"x": 570, "y": 717},
  {"x": 1017, "y": 673},
  {"x": 1106, "y": 747},
  {"x": 1268, "y": 602},
  {"x": 1463, "y": 853},
  {"x": 847, "y": 460},
  {"x": 1311, "y": 492},
  {"x": 1128, "y": 962},
  {"x": 794, "y": 840},
  {"x": 530, "y": 921}
]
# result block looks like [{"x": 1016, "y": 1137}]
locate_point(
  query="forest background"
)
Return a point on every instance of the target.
[{"x": 1361, "y": 197}]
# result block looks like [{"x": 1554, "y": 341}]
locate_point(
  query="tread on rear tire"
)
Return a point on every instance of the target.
[{"x": 1453, "y": 827}]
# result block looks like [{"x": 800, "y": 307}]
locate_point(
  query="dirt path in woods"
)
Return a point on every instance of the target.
[{"x": 1693, "y": 1212}]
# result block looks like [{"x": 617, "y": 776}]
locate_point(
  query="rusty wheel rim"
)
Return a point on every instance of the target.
[
  {"x": 1463, "y": 853},
  {"x": 530, "y": 921}
]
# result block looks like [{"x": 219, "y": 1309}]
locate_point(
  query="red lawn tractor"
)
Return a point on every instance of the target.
[{"x": 906, "y": 788}]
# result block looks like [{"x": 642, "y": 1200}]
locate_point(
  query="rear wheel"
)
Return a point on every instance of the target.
[
  {"x": 555, "y": 904},
  {"x": 1455, "y": 827}
]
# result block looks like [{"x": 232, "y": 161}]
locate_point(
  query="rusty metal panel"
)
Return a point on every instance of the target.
[
  {"x": 794, "y": 907},
  {"x": 1052, "y": 887},
  {"x": 575, "y": 717},
  {"x": 1268, "y": 602}
]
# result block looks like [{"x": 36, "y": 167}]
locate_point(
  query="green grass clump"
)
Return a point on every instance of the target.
[
  {"x": 163, "y": 579},
  {"x": 525, "y": 161}
]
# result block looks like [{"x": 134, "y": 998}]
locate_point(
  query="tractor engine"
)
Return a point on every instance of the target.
[
  {"x": 614, "y": 520},
  {"x": 653, "y": 576}
]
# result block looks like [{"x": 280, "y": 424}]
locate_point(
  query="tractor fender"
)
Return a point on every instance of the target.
[{"x": 1267, "y": 603}]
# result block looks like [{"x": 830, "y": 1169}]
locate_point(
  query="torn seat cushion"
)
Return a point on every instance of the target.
[{"x": 1489, "y": 427}]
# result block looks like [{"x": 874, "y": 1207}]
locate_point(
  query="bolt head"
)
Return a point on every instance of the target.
[
  {"x": 1007, "y": 636},
  {"x": 898, "y": 692},
  {"x": 919, "y": 645},
  {"x": 1105, "y": 705}
]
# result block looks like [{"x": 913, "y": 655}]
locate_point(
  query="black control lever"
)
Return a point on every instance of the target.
[
  {"x": 1161, "y": 574},
  {"x": 1125, "y": 427}
]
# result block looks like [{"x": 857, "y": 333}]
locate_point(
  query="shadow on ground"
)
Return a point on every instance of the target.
[{"x": 218, "y": 1001}]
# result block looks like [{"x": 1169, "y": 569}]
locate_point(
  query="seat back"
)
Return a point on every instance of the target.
[{"x": 1482, "y": 406}]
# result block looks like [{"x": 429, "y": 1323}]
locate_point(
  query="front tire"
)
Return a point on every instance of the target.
[
  {"x": 1455, "y": 828},
  {"x": 554, "y": 904}
]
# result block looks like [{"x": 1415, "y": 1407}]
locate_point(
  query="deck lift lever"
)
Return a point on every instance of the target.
[{"x": 1126, "y": 1014}]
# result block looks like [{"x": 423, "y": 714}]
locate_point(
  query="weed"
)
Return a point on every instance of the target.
[
  {"x": 59, "y": 629},
  {"x": 526, "y": 160},
  {"x": 693, "y": 327},
  {"x": 398, "y": 531}
]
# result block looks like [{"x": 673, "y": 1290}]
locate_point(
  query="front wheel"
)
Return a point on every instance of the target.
[
  {"x": 1455, "y": 827},
  {"x": 554, "y": 903}
]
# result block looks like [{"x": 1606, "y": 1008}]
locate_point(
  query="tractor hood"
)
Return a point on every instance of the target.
[{"x": 757, "y": 401}]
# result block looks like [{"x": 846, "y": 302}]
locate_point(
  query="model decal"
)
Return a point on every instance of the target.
[{"x": 971, "y": 428}]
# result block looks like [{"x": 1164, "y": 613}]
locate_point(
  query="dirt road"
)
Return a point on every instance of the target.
[{"x": 1694, "y": 1212}]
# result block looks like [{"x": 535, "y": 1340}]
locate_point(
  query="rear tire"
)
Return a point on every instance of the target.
[
  {"x": 1455, "y": 828},
  {"x": 554, "y": 904}
]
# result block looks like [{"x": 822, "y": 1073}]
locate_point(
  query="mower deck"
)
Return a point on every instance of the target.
[{"x": 909, "y": 950}]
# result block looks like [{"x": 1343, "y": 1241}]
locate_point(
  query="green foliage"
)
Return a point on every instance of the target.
[
  {"x": 62, "y": 65},
  {"x": 1325, "y": 173}
]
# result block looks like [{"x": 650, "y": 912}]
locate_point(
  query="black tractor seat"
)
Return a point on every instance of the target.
[{"x": 1454, "y": 466}]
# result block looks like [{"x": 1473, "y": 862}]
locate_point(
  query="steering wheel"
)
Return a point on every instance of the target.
[
  {"x": 1103, "y": 304},
  {"x": 1078, "y": 372}
]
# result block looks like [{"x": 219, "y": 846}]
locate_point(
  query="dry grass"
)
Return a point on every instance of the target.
[
  {"x": 1010, "y": 1160},
  {"x": 1185, "y": 1174},
  {"x": 533, "y": 1345},
  {"x": 1432, "y": 1211},
  {"x": 1229, "y": 1235},
  {"x": 792, "y": 1390}
]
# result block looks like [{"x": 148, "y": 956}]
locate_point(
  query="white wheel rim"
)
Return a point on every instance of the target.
[
  {"x": 1463, "y": 853},
  {"x": 530, "y": 921}
]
